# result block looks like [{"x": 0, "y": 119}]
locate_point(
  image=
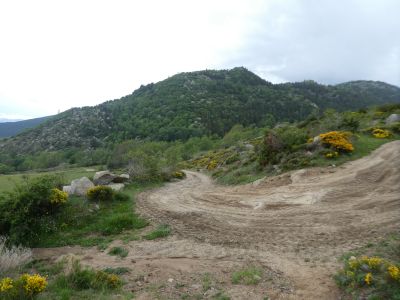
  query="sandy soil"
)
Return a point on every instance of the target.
[{"x": 293, "y": 226}]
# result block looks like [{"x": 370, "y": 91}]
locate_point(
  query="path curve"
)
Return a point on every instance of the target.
[{"x": 307, "y": 215}]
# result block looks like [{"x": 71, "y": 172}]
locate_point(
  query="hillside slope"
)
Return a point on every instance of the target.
[{"x": 195, "y": 104}]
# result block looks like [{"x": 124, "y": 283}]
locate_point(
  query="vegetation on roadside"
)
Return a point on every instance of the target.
[
  {"x": 30, "y": 216},
  {"x": 161, "y": 231},
  {"x": 372, "y": 272},
  {"x": 247, "y": 276},
  {"x": 330, "y": 139}
]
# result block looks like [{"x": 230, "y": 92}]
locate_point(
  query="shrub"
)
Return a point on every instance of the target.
[
  {"x": 374, "y": 277},
  {"x": 25, "y": 287},
  {"x": 27, "y": 211},
  {"x": 58, "y": 197},
  {"x": 280, "y": 142},
  {"x": 85, "y": 278},
  {"x": 178, "y": 174},
  {"x": 100, "y": 193},
  {"x": 381, "y": 133},
  {"x": 11, "y": 258},
  {"x": 338, "y": 140}
]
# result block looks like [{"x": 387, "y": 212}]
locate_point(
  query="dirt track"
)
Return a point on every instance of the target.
[
  {"x": 309, "y": 215},
  {"x": 294, "y": 226}
]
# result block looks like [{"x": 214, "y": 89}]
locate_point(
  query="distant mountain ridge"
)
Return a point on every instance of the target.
[
  {"x": 192, "y": 104},
  {"x": 5, "y": 120},
  {"x": 10, "y": 128}
]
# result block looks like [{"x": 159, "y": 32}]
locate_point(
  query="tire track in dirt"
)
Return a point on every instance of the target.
[{"x": 298, "y": 222}]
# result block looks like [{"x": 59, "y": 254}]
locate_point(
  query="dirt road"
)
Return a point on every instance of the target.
[
  {"x": 297, "y": 223},
  {"x": 293, "y": 226}
]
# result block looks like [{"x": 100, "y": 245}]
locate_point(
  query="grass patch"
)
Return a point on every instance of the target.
[
  {"x": 78, "y": 283},
  {"x": 160, "y": 232},
  {"x": 118, "y": 251},
  {"x": 81, "y": 223},
  {"x": 247, "y": 276},
  {"x": 8, "y": 182}
]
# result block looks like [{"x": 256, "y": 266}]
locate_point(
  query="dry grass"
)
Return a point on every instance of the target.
[{"x": 11, "y": 258}]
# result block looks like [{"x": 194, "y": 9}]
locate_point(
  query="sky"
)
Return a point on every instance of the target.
[{"x": 57, "y": 54}]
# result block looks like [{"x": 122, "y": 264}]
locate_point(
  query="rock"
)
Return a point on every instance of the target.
[
  {"x": 316, "y": 139},
  {"x": 249, "y": 146},
  {"x": 170, "y": 280},
  {"x": 393, "y": 118},
  {"x": 67, "y": 189},
  {"x": 80, "y": 186},
  {"x": 121, "y": 178},
  {"x": 116, "y": 186},
  {"x": 103, "y": 178},
  {"x": 196, "y": 286},
  {"x": 256, "y": 277}
]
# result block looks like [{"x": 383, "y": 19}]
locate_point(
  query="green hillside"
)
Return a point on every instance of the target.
[{"x": 195, "y": 104}]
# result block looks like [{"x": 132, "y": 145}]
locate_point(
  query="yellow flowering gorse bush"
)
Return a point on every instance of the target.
[
  {"x": 381, "y": 133},
  {"x": 338, "y": 140},
  {"x": 26, "y": 286},
  {"x": 34, "y": 284},
  {"x": 373, "y": 272},
  {"x": 58, "y": 197},
  {"x": 6, "y": 284},
  {"x": 332, "y": 154},
  {"x": 368, "y": 278},
  {"x": 394, "y": 272}
]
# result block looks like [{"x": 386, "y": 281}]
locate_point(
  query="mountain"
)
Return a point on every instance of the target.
[
  {"x": 9, "y": 128},
  {"x": 4, "y": 120},
  {"x": 192, "y": 104}
]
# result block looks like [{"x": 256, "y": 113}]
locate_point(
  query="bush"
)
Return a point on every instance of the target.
[
  {"x": 373, "y": 277},
  {"x": 381, "y": 133},
  {"x": 100, "y": 193},
  {"x": 25, "y": 287},
  {"x": 28, "y": 211},
  {"x": 338, "y": 140},
  {"x": 83, "y": 279},
  {"x": 280, "y": 142},
  {"x": 58, "y": 197}
]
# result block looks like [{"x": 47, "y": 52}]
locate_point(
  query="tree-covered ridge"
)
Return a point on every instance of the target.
[
  {"x": 8, "y": 129},
  {"x": 195, "y": 104}
]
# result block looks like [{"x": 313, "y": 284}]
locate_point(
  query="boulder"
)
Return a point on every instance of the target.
[
  {"x": 393, "y": 118},
  {"x": 116, "y": 186},
  {"x": 67, "y": 189},
  {"x": 121, "y": 178},
  {"x": 103, "y": 178},
  {"x": 81, "y": 186}
]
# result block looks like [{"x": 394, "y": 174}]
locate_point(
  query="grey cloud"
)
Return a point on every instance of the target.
[{"x": 328, "y": 41}]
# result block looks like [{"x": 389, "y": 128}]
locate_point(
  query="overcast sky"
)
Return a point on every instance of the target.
[{"x": 56, "y": 54}]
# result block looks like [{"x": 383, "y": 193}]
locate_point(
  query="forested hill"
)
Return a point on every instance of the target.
[{"x": 194, "y": 104}]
